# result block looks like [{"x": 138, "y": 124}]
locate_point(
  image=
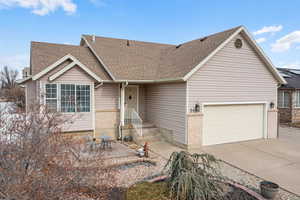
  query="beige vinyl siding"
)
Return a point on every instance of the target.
[
  {"x": 166, "y": 108},
  {"x": 31, "y": 94},
  {"x": 107, "y": 97},
  {"x": 78, "y": 121},
  {"x": 232, "y": 75}
]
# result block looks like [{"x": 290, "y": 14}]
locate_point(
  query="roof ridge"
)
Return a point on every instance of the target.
[
  {"x": 159, "y": 43},
  {"x": 58, "y": 44},
  {"x": 111, "y": 38},
  {"x": 212, "y": 34}
]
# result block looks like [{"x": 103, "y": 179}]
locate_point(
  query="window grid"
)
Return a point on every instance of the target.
[
  {"x": 297, "y": 103},
  {"x": 284, "y": 99},
  {"x": 68, "y": 98},
  {"x": 83, "y": 98},
  {"x": 51, "y": 97}
]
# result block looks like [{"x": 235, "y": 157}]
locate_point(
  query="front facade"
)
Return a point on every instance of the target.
[
  {"x": 289, "y": 96},
  {"x": 218, "y": 89}
]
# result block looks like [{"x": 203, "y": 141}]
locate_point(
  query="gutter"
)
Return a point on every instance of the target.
[{"x": 145, "y": 81}]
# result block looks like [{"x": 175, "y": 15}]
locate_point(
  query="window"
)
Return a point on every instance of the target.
[
  {"x": 297, "y": 94},
  {"x": 284, "y": 99},
  {"x": 83, "y": 98},
  {"x": 51, "y": 97},
  {"x": 67, "y": 95}
]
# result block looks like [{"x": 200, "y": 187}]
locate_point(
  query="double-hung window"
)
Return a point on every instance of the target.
[
  {"x": 68, "y": 97},
  {"x": 283, "y": 99},
  {"x": 297, "y": 98},
  {"x": 51, "y": 97},
  {"x": 83, "y": 98}
]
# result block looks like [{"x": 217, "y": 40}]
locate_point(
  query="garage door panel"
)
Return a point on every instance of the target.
[{"x": 232, "y": 123}]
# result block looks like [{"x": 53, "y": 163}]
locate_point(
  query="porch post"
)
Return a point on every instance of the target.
[{"x": 122, "y": 106}]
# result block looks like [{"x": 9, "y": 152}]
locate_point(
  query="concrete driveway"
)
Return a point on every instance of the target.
[{"x": 276, "y": 160}]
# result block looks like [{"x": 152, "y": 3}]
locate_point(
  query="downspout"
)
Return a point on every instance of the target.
[{"x": 122, "y": 109}]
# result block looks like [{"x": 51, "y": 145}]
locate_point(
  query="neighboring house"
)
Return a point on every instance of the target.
[
  {"x": 216, "y": 89},
  {"x": 289, "y": 96},
  {"x": 25, "y": 72}
]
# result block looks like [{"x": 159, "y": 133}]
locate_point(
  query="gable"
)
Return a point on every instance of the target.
[
  {"x": 233, "y": 75},
  {"x": 63, "y": 65},
  {"x": 231, "y": 61},
  {"x": 75, "y": 75}
]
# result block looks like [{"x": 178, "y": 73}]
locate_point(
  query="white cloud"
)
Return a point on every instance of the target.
[
  {"x": 15, "y": 61},
  {"x": 268, "y": 29},
  {"x": 293, "y": 65},
  {"x": 285, "y": 43},
  {"x": 41, "y": 7},
  {"x": 261, "y": 40}
]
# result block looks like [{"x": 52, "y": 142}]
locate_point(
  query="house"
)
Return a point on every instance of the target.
[
  {"x": 217, "y": 89},
  {"x": 289, "y": 96}
]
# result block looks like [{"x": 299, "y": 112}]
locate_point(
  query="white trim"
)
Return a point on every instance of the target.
[
  {"x": 23, "y": 80},
  {"x": 187, "y": 111},
  {"x": 138, "y": 103},
  {"x": 283, "y": 99},
  {"x": 92, "y": 92},
  {"x": 296, "y": 96},
  {"x": 264, "y": 103},
  {"x": 268, "y": 62},
  {"x": 195, "y": 69},
  {"x": 270, "y": 65},
  {"x": 51, "y": 67},
  {"x": 66, "y": 68},
  {"x": 71, "y": 65},
  {"x": 99, "y": 59}
]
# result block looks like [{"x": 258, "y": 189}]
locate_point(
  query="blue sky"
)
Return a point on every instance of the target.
[{"x": 276, "y": 23}]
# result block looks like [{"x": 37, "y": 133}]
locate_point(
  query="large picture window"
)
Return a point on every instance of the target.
[
  {"x": 283, "y": 99},
  {"x": 68, "y": 97}
]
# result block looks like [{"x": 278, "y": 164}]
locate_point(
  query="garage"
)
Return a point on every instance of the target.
[{"x": 232, "y": 123}]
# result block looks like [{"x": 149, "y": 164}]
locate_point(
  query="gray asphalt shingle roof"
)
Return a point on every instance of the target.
[{"x": 131, "y": 60}]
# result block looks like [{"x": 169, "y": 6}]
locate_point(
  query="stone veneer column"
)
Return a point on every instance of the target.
[
  {"x": 272, "y": 123},
  {"x": 194, "y": 130}
]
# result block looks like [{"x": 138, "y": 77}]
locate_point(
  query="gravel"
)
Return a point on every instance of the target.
[
  {"x": 251, "y": 181},
  {"x": 132, "y": 175}
]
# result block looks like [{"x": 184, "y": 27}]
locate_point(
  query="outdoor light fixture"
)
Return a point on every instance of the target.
[{"x": 272, "y": 105}]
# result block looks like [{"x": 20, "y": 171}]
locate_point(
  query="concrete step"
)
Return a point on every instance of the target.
[
  {"x": 150, "y": 131},
  {"x": 148, "y": 125},
  {"x": 149, "y": 139}
]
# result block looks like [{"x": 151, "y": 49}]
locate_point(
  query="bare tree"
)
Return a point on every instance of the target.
[
  {"x": 37, "y": 162},
  {"x": 8, "y": 78}
]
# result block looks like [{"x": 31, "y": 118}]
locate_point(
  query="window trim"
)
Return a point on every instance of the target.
[
  {"x": 297, "y": 95},
  {"x": 283, "y": 99},
  {"x": 58, "y": 97}
]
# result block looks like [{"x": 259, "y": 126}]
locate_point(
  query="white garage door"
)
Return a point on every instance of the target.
[{"x": 232, "y": 123}]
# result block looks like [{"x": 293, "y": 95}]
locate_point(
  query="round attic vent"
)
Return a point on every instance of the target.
[{"x": 238, "y": 43}]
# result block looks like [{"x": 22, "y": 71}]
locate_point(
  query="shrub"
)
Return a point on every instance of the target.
[
  {"x": 194, "y": 177},
  {"x": 37, "y": 162}
]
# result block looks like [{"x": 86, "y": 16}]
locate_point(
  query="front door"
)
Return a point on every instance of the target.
[{"x": 131, "y": 97}]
